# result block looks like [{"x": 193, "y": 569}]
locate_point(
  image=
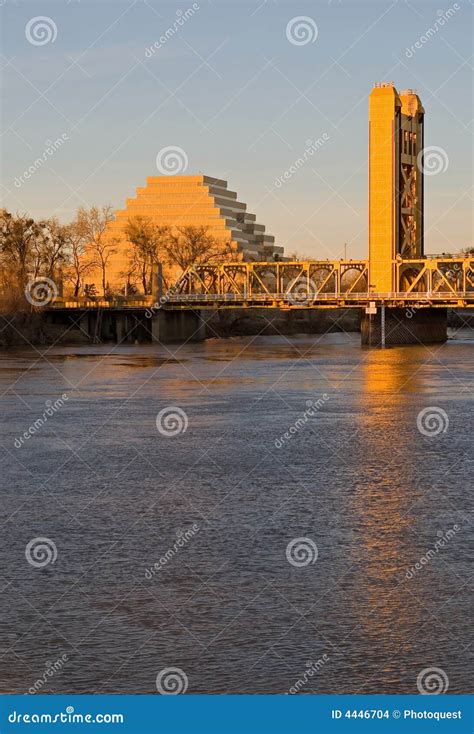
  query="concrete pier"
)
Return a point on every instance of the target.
[
  {"x": 128, "y": 327},
  {"x": 176, "y": 326},
  {"x": 398, "y": 326}
]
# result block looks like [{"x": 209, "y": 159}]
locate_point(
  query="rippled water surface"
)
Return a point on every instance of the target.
[{"x": 358, "y": 479}]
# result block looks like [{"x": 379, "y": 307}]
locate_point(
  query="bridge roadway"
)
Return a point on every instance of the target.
[{"x": 437, "y": 282}]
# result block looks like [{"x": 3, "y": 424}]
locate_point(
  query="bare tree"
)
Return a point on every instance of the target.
[
  {"x": 18, "y": 235},
  {"x": 79, "y": 264},
  {"x": 92, "y": 225},
  {"x": 149, "y": 244},
  {"x": 53, "y": 247},
  {"x": 191, "y": 245}
]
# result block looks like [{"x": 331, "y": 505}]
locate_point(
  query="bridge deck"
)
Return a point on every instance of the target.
[{"x": 425, "y": 283}]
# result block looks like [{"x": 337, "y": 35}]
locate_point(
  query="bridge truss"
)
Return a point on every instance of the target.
[
  {"x": 425, "y": 282},
  {"x": 324, "y": 284}
]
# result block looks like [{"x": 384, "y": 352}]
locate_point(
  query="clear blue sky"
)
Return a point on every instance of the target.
[{"x": 241, "y": 100}]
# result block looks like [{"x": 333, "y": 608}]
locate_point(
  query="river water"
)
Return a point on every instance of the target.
[{"x": 240, "y": 603}]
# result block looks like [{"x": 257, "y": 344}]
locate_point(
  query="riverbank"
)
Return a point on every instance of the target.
[
  {"x": 32, "y": 328},
  {"x": 26, "y": 329},
  {"x": 22, "y": 329}
]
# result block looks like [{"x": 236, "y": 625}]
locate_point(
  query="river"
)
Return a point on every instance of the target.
[{"x": 208, "y": 540}]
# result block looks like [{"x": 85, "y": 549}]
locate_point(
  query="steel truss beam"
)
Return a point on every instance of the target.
[{"x": 426, "y": 282}]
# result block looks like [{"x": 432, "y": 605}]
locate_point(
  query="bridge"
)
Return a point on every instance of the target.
[
  {"x": 403, "y": 295},
  {"x": 423, "y": 285},
  {"x": 426, "y": 283}
]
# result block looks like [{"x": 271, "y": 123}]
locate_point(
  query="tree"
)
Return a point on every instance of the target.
[
  {"x": 79, "y": 264},
  {"x": 52, "y": 248},
  {"x": 93, "y": 226},
  {"x": 191, "y": 245},
  {"x": 149, "y": 242},
  {"x": 18, "y": 235}
]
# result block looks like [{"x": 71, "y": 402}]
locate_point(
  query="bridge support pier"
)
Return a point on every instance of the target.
[
  {"x": 176, "y": 326},
  {"x": 120, "y": 328},
  {"x": 404, "y": 326}
]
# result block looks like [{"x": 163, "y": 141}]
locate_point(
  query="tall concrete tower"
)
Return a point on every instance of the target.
[{"x": 395, "y": 182}]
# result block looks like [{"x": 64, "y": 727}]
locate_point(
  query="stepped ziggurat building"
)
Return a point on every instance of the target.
[{"x": 181, "y": 201}]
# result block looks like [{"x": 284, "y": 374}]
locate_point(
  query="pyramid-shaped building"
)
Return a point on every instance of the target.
[{"x": 179, "y": 201}]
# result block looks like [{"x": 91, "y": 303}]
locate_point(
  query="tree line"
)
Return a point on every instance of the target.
[{"x": 72, "y": 253}]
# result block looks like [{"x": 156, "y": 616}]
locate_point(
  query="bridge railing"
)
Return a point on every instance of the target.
[
  {"x": 433, "y": 280},
  {"x": 315, "y": 296}
]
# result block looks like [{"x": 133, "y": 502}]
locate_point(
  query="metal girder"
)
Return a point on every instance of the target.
[
  {"x": 300, "y": 279},
  {"x": 426, "y": 282}
]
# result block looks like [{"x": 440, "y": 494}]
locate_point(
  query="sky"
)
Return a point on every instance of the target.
[{"x": 241, "y": 89}]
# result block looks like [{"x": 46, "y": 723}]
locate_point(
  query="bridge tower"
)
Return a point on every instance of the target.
[{"x": 395, "y": 182}]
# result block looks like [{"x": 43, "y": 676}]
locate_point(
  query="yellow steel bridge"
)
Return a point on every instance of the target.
[{"x": 424, "y": 283}]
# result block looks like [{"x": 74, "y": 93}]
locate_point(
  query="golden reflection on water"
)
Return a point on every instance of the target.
[{"x": 385, "y": 609}]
